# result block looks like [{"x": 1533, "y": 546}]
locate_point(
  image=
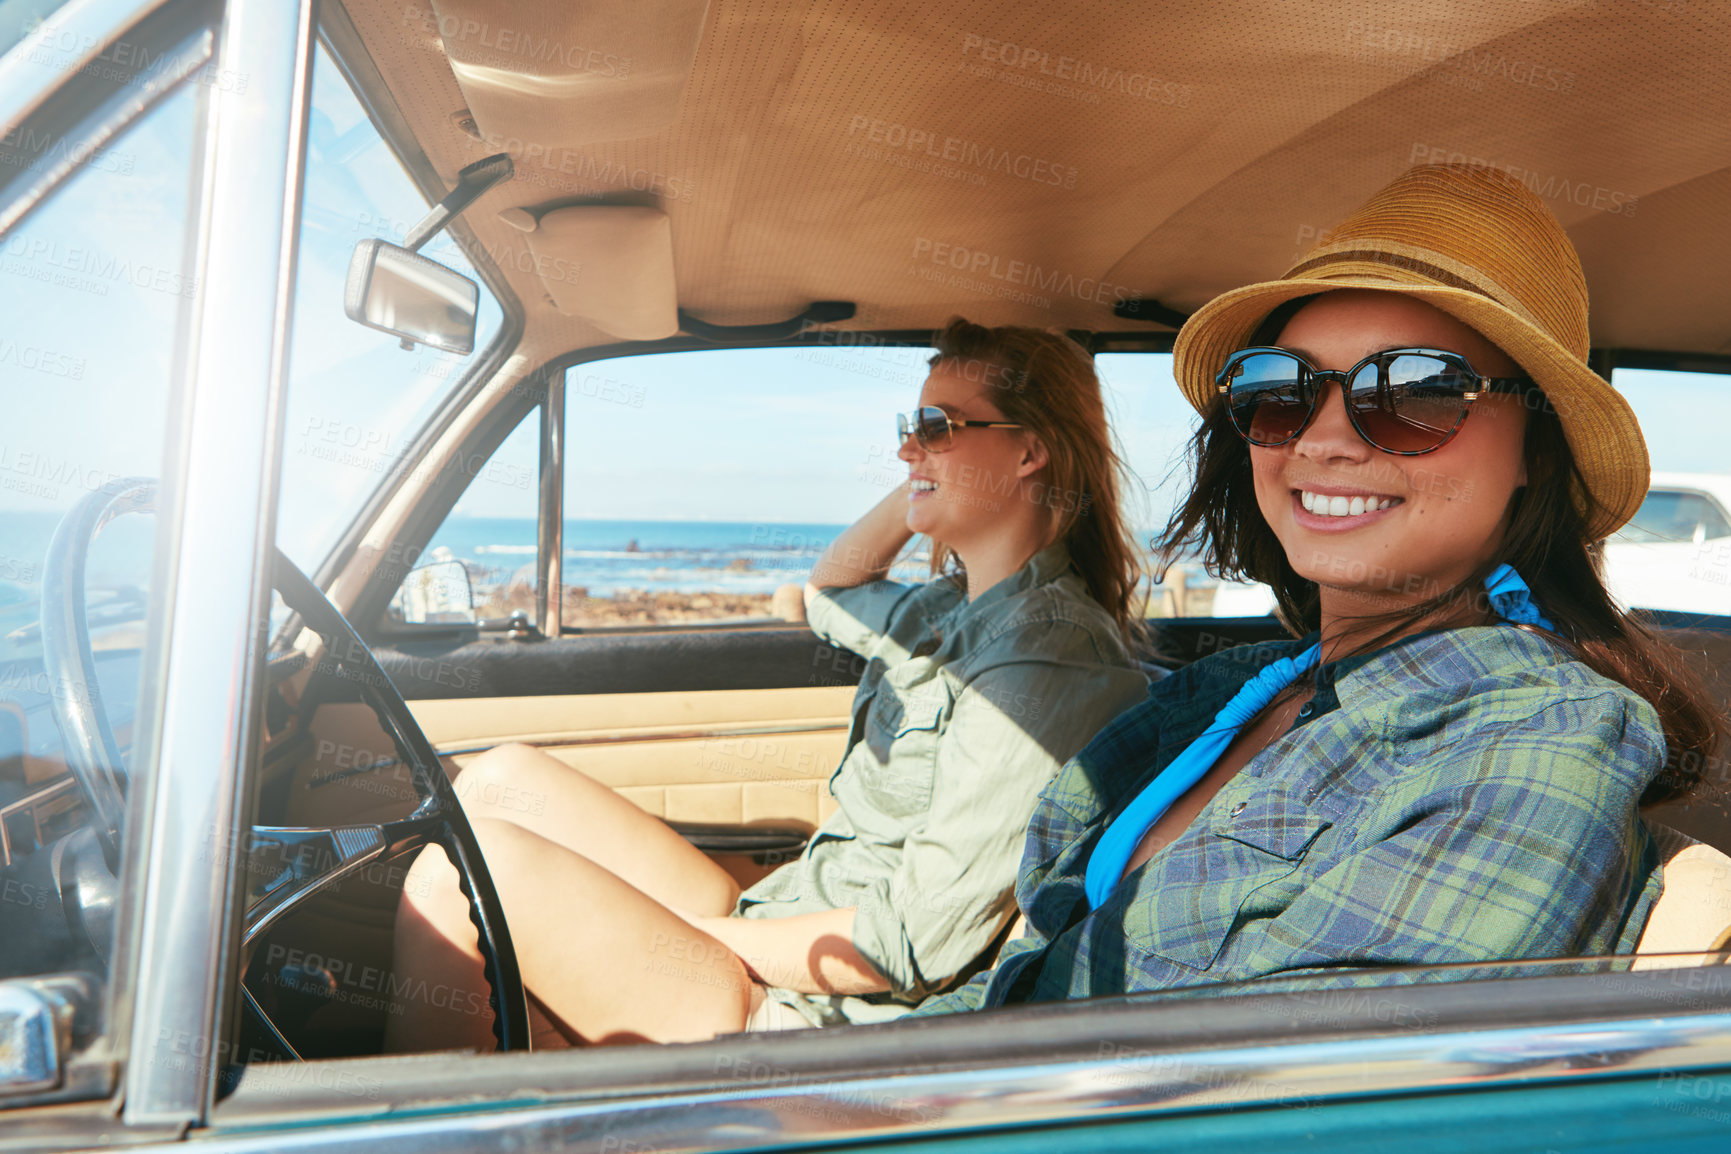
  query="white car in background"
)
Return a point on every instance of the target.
[{"x": 1675, "y": 554}]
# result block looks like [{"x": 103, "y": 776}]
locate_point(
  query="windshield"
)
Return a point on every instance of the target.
[{"x": 356, "y": 399}]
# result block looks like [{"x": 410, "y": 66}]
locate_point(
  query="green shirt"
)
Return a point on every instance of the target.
[{"x": 965, "y": 712}]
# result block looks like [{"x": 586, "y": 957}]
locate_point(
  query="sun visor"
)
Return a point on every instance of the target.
[
  {"x": 612, "y": 265},
  {"x": 562, "y": 75}
]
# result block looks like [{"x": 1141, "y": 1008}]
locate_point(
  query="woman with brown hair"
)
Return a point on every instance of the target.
[
  {"x": 978, "y": 685},
  {"x": 1401, "y": 436}
]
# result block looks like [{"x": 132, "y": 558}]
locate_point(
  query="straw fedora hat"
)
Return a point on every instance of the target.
[{"x": 1485, "y": 249}]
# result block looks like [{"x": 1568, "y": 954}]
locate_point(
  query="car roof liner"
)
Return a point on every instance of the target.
[{"x": 1043, "y": 166}]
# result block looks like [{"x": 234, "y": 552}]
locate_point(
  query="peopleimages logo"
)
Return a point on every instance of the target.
[
  {"x": 865, "y": 133},
  {"x": 505, "y": 43},
  {"x": 83, "y": 261},
  {"x": 529, "y": 156},
  {"x": 978, "y": 263},
  {"x": 1027, "y": 58},
  {"x": 1550, "y": 186},
  {"x": 22, "y": 147}
]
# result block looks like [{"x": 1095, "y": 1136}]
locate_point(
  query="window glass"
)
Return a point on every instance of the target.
[
  {"x": 699, "y": 484},
  {"x": 1670, "y": 407},
  {"x": 1656, "y": 561},
  {"x": 1154, "y": 423},
  {"x": 19, "y": 18},
  {"x": 355, "y": 399},
  {"x": 1713, "y": 523},
  {"x": 1667, "y": 515},
  {"x": 94, "y": 291}
]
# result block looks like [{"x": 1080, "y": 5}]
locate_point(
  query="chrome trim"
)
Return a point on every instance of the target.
[
  {"x": 287, "y": 865},
  {"x": 1121, "y": 1082},
  {"x": 550, "y": 535},
  {"x": 635, "y": 735},
  {"x": 92, "y": 27},
  {"x": 252, "y": 149},
  {"x": 35, "y": 1037}
]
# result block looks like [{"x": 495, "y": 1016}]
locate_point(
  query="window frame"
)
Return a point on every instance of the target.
[
  {"x": 539, "y": 386},
  {"x": 549, "y": 391},
  {"x": 342, "y": 42},
  {"x": 166, "y": 982},
  {"x": 89, "y": 115}
]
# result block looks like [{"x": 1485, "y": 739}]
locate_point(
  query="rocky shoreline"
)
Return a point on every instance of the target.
[
  {"x": 650, "y": 607},
  {"x": 662, "y": 607}
]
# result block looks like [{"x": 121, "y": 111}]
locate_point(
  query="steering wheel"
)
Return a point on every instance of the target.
[
  {"x": 284, "y": 866},
  {"x": 75, "y": 696}
]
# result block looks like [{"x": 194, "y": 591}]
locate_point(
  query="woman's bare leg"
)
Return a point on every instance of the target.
[
  {"x": 605, "y": 962},
  {"x": 542, "y": 794}
]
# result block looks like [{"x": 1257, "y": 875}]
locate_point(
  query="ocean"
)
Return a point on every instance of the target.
[
  {"x": 604, "y": 557},
  {"x": 609, "y": 557}
]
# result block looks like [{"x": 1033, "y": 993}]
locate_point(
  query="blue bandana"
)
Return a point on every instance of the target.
[{"x": 1510, "y": 598}]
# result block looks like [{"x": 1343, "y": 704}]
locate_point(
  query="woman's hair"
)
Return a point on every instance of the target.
[
  {"x": 1046, "y": 383},
  {"x": 1546, "y": 542}
]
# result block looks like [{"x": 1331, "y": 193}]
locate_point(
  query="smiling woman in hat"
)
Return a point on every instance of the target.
[{"x": 1403, "y": 438}]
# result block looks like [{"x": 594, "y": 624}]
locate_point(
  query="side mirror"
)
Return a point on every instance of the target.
[
  {"x": 403, "y": 293},
  {"x": 436, "y": 594}
]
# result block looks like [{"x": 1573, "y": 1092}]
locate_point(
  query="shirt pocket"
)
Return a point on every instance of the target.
[
  {"x": 1240, "y": 868},
  {"x": 904, "y": 724}
]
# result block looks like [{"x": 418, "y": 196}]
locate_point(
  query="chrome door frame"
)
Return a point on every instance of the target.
[
  {"x": 178, "y": 919},
  {"x": 1146, "y": 1057},
  {"x": 234, "y": 375}
]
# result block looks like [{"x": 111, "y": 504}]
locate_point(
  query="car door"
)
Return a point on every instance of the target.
[{"x": 147, "y": 190}]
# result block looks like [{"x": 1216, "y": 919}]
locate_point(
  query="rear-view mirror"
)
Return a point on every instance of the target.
[{"x": 418, "y": 300}]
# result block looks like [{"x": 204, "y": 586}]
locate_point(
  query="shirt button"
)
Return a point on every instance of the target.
[{"x": 1238, "y": 809}]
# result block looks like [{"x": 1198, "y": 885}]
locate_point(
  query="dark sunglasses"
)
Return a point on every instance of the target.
[
  {"x": 1403, "y": 401},
  {"x": 935, "y": 429}
]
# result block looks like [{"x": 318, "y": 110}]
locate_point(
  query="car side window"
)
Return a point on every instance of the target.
[
  {"x": 699, "y": 488},
  {"x": 1153, "y": 424},
  {"x": 1670, "y": 515},
  {"x": 1713, "y": 525},
  {"x": 480, "y": 563},
  {"x": 95, "y": 289}
]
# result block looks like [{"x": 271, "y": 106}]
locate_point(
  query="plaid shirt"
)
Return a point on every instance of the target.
[{"x": 1472, "y": 798}]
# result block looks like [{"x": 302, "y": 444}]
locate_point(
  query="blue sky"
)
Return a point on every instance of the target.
[{"x": 780, "y": 435}]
